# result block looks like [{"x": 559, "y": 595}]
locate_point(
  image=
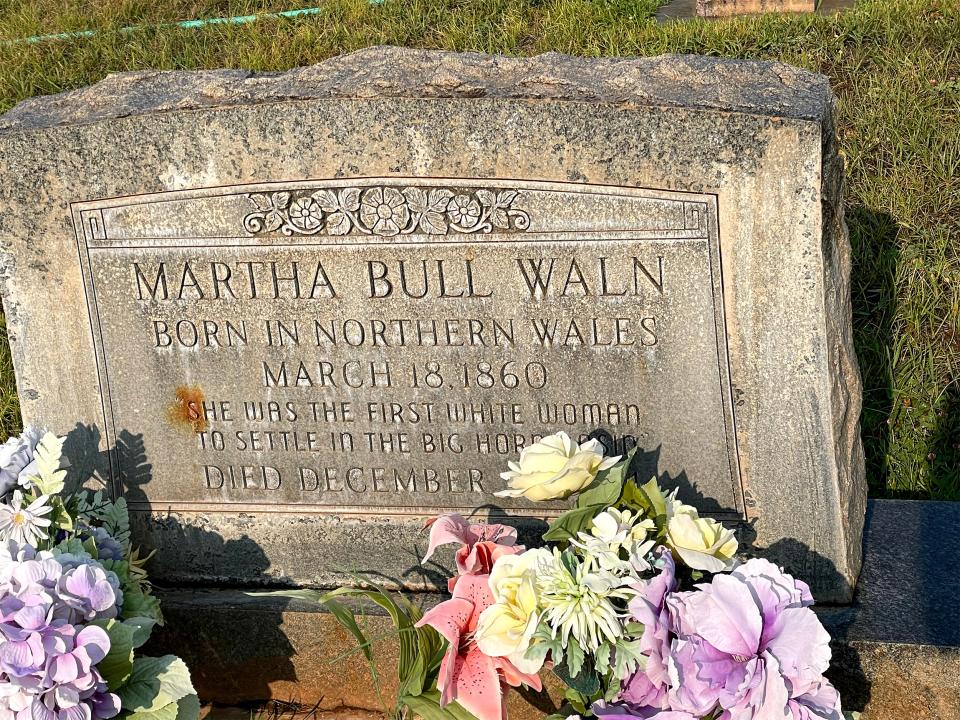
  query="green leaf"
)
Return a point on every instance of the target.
[
  {"x": 139, "y": 604},
  {"x": 116, "y": 519},
  {"x": 601, "y": 658},
  {"x": 574, "y": 658},
  {"x": 576, "y": 700},
  {"x": 627, "y": 658},
  {"x": 648, "y": 498},
  {"x": 407, "y": 662},
  {"x": 608, "y": 485},
  {"x": 167, "y": 712},
  {"x": 421, "y": 649},
  {"x": 142, "y": 627},
  {"x": 416, "y": 676},
  {"x": 542, "y": 643},
  {"x": 154, "y": 683},
  {"x": 427, "y": 706},
  {"x": 175, "y": 680},
  {"x": 654, "y": 495},
  {"x": 572, "y": 522},
  {"x": 634, "y": 498},
  {"x": 49, "y": 479},
  {"x": 188, "y": 708},
  {"x": 585, "y": 681},
  {"x": 118, "y": 664},
  {"x": 343, "y": 615},
  {"x": 432, "y": 647},
  {"x": 60, "y": 517}
]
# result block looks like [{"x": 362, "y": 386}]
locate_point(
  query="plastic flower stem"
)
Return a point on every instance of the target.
[{"x": 183, "y": 24}]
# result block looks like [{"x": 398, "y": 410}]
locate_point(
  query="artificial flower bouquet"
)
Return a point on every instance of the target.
[
  {"x": 75, "y": 603},
  {"x": 637, "y": 603}
]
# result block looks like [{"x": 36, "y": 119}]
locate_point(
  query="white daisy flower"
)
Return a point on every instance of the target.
[
  {"x": 580, "y": 601},
  {"x": 24, "y": 524},
  {"x": 614, "y": 533}
]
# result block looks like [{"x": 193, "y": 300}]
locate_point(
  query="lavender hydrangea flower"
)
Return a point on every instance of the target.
[
  {"x": 16, "y": 460},
  {"x": 87, "y": 591},
  {"x": 749, "y": 643},
  {"x": 107, "y": 547},
  {"x": 72, "y": 560},
  {"x": 48, "y": 662}
]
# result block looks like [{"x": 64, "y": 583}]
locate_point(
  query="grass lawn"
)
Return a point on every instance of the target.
[{"x": 895, "y": 65}]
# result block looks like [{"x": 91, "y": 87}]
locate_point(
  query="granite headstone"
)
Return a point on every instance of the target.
[{"x": 304, "y": 311}]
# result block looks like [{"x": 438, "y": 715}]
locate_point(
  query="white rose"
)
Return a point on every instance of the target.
[
  {"x": 555, "y": 468},
  {"x": 506, "y": 627},
  {"x": 701, "y": 543}
]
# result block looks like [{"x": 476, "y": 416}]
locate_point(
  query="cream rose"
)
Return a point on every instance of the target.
[
  {"x": 555, "y": 468},
  {"x": 506, "y": 627},
  {"x": 701, "y": 543}
]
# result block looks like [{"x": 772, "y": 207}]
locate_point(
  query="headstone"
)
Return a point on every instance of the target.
[
  {"x": 725, "y": 8},
  {"x": 305, "y": 311}
]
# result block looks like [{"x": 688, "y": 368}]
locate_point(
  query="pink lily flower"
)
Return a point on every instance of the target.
[
  {"x": 466, "y": 674},
  {"x": 481, "y": 544}
]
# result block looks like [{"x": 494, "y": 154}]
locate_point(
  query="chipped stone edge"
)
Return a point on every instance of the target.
[{"x": 754, "y": 87}]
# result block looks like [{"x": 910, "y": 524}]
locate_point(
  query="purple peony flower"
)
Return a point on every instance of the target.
[
  {"x": 48, "y": 664},
  {"x": 749, "y": 642},
  {"x": 648, "y": 686},
  {"x": 16, "y": 460},
  {"x": 821, "y": 702},
  {"x": 607, "y": 710}
]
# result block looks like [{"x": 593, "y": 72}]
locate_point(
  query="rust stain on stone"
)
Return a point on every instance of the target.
[{"x": 186, "y": 410}]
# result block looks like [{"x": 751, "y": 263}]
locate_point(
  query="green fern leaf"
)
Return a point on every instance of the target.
[{"x": 49, "y": 478}]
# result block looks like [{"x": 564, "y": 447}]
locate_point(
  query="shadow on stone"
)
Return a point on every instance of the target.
[
  {"x": 88, "y": 464},
  {"x": 646, "y": 465},
  {"x": 252, "y": 644},
  {"x": 540, "y": 700},
  {"x": 800, "y": 561},
  {"x": 847, "y": 672}
]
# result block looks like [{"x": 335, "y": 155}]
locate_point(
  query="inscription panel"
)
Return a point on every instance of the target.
[{"x": 386, "y": 345}]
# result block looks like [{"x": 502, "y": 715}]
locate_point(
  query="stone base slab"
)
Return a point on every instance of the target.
[
  {"x": 251, "y": 647},
  {"x": 896, "y": 650}
]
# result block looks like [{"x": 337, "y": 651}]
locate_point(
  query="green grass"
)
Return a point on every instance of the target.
[
  {"x": 894, "y": 64},
  {"x": 9, "y": 405}
]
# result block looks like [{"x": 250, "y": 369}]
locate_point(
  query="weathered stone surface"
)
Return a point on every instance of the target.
[
  {"x": 896, "y": 649},
  {"x": 724, "y": 8},
  {"x": 690, "y": 208}
]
